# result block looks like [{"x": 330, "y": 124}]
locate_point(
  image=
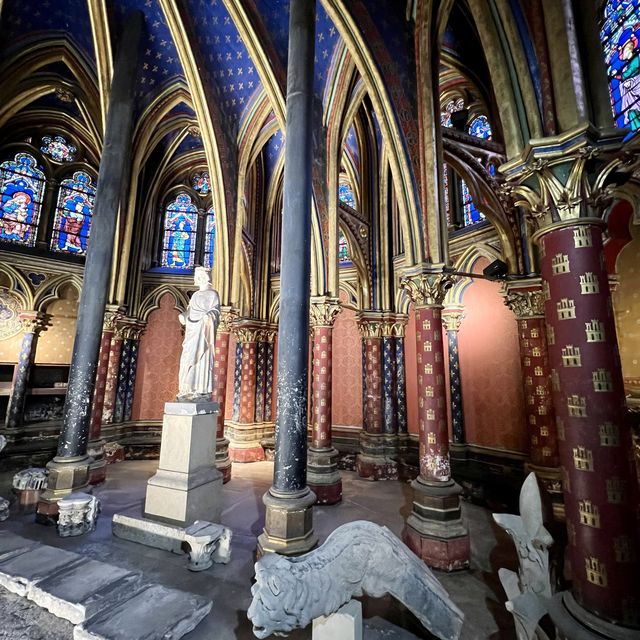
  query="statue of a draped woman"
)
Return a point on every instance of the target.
[{"x": 195, "y": 380}]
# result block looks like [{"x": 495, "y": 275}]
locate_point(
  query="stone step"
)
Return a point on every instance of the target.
[
  {"x": 153, "y": 613},
  {"x": 13, "y": 545},
  {"x": 84, "y": 589}
]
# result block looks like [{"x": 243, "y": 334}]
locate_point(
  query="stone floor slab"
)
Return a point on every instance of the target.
[
  {"x": 20, "y": 573},
  {"x": 156, "y": 612},
  {"x": 85, "y": 589},
  {"x": 13, "y": 545}
]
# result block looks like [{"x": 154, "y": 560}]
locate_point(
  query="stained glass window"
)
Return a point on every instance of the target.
[
  {"x": 445, "y": 185},
  {"x": 21, "y": 189},
  {"x": 180, "y": 226},
  {"x": 74, "y": 209},
  {"x": 58, "y": 148},
  {"x": 344, "y": 254},
  {"x": 471, "y": 214},
  {"x": 201, "y": 183},
  {"x": 480, "y": 128},
  {"x": 450, "y": 107},
  {"x": 345, "y": 194},
  {"x": 210, "y": 239},
  {"x": 620, "y": 36}
]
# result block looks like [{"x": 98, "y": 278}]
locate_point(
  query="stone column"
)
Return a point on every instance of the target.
[
  {"x": 451, "y": 320},
  {"x": 135, "y": 332},
  {"x": 323, "y": 476},
  {"x": 524, "y": 298},
  {"x": 401, "y": 389},
  {"x": 33, "y": 322},
  {"x": 434, "y": 530},
  {"x": 600, "y": 490},
  {"x": 289, "y": 523},
  {"x": 98, "y": 468},
  {"x": 69, "y": 470},
  {"x": 223, "y": 462}
]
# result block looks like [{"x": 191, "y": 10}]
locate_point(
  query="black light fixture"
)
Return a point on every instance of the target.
[{"x": 497, "y": 271}]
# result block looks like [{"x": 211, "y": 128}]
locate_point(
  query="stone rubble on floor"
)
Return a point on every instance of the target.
[{"x": 110, "y": 603}]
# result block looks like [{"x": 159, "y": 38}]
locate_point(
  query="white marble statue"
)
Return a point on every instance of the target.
[
  {"x": 195, "y": 381},
  {"x": 357, "y": 558}
]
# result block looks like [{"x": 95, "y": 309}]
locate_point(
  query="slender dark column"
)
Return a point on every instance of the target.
[
  {"x": 288, "y": 525},
  {"x": 451, "y": 319},
  {"x": 72, "y": 445}
]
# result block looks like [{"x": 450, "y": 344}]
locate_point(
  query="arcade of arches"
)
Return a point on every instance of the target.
[{"x": 473, "y": 245}]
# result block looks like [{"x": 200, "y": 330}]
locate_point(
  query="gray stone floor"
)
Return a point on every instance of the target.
[{"x": 477, "y": 591}]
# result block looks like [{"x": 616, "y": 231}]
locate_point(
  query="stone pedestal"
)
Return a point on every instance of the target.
[
  {"x": 66, "y": 476},
  {"x": 187, "y": 485}
]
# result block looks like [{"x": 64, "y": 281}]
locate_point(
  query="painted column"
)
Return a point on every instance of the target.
[
  {"x": 244, "y": 433},
  {"x": 223, "y": 462},
  {"x": 451, "y": 320},
  {"x": 32, "y": 323},
  {"x": 434, "y": 530},
  {"x": 69, "y": 470},
  {"x": 135, "y": 333},
  {"x": 524, "y": 298},
  {"x": 323, "y": 476},
  {"x": 401, "y": 389},
  {"x": 123, "y": 377},
  {"x": 98, "y": 467},
  {"x": 600, "y": 490},
  {"x": 113, "y": 369},
  {"x": 289, "y": 522}
]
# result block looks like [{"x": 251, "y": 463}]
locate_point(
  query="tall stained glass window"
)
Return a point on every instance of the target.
[
  {"x": 480, "y": 128},
  {"x": 620, "y": 36},
  {"x": 180, "y": 226},
  {"x": 74, "y": 209},
  {"x": 345, "y": 194},
  {"x": 210, "y": 239},
  {"x": 58, "y": 148},
  {"x": 470, "y": 213},
  {"x": 201, "y": 183},
  {"x": 344, "y": 253},
  {"x": 21, "y": 189}
]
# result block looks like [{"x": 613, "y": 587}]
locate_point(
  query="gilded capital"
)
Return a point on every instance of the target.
[
  {"x": 526, "y": 300},
  {"x": 228, "y": 316},
  {"x": 323, "y": 311},
  {"x": 32, "y": 321},
  {"x": 428, "y": 289},
  {"x": 452, "y": 318},
  {"x": 381, "y": 324}
]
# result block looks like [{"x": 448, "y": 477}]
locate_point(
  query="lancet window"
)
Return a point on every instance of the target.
[{"x": 180, "y": 228}]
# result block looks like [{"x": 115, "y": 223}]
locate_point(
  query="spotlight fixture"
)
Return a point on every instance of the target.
[{"x": 497, "y": 271}]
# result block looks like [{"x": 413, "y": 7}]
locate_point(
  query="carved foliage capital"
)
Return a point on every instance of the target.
[
  {"x": 381, "y": 325},
  {"x": 428, "y": 289},
  {"x": 32, "y": 321},
  {"x": 526, "y": 303},
  {"x": 452, "y": 319},
  {"x": 228, "y": 316},
  {"x": 324, "y": 311}
]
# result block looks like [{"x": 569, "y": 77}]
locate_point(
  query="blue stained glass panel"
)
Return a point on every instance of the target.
[
  {"x": 345, "y": 194},
  {"x": 21, "y": 188},
  {"x": 620, "y": 36},
  {"x": 471, "y": 214},
  {"x": 480, "y": 128},
  {"x": 210, "y": 239},
  {"x": 74, "y": 209},
  {"x": 58, "y": 148},
  {"x": 180, "y": 226},
  {"x": 202, "y": 183},
  {"x": 450, "y": 107},
  {"x": 344, "y": 253}
]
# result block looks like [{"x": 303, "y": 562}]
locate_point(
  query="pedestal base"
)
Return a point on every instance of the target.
[
  {"x": 98, "y": 468},
  {"x": 187, "y": 485},
  {"x": 245, "y": 440},
  {"x": 288, "y": 527},
  {"x": 323, "y": 477},
  {"x": 66, "y": 476},
  {"x": 573, "y": 622},
  {"x": 378, "y": 457},
  {"x": 434, "y": 530},
  {"x": 223, "y": 461}
]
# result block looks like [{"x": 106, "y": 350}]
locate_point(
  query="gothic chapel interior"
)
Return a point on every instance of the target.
[{"x": 444, "y": 239}]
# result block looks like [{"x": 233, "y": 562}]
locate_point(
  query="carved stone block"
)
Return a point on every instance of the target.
[
  {"x": 4, "y": 509},
  {"x": 77, "y": 514}
]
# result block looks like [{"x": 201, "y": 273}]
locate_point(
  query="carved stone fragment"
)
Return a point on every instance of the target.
[
  {"x": 77, "y": 514},
  {"x": 207, "y": 543},
  {"x": 4, "y": 509},
  {"x": 34, "y": 478},
  {"x": 357, "y": 558}
]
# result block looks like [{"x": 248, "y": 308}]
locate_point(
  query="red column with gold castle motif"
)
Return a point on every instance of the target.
[
  {"x": 594, "y": 436},
  {"x": 524, "y": 298},
  {"x": 434, "y": 530},
  {"x": 323, "y": 477},
  {"x": 223, "y": 335}
]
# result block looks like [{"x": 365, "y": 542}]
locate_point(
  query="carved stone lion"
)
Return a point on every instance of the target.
[{"x": 357, "y": 558}]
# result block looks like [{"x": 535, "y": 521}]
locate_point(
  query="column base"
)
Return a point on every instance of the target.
[
  {"x": 434, "y": 530},
  {"x": 573, "y": 622},
  {"x": 223, "y": 461},
  {"x": 550, "y": 479},
  {"x": 288, "y": 526},
  {"x": 323, "y": 477},
  {"x": 245, "y": 439},
  {"x": 66, "y": 476},
  {"x": 98, "y": 468},
  {"x": 377, "y": 460}
]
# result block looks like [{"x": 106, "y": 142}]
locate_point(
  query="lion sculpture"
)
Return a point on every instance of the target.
[{"x": 358, "y": 558}]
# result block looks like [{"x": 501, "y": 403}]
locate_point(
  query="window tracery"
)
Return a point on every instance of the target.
[
  {"x": 344, "y": 251},
  {"x": 201, "y": 183},
  {"x": 57, "y": 148},
  {"x": 480, "y": 128},
  {"x": 180, "y": 227}
]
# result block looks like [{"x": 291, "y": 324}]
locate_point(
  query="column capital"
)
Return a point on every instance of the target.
[
  {"x": 428, "y": 285},
  {"x": 525, "y": 298},
  {"x": 132, "y": 328},
  {"x": 568, "y": 177},
  {"x": 452, "y": 317},
  {"x": 249, "y": 330},
  {"x": 112, "y": 317},
  {"x": 323, "y": 311},
  {"x": 381, "y": 324},
  {"x": 33, "y": 321},
  {"x": 228, "y": 315}
]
